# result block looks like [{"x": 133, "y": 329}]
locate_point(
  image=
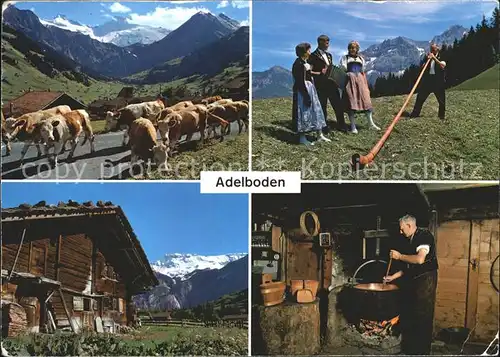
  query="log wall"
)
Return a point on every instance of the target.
[
  {"x": 69, "y": 259},
  {"x": 465, "y": 297}
]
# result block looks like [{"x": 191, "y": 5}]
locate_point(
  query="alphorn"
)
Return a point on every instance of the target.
[{"x": 359, "y": 161}]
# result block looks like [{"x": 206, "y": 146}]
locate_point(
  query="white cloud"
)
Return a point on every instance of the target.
[
  {"x": 102, "y": 11},
  {"x": 223, "y": 4},
  {"x": 32, "y": 9},
  {"x": 116, "y": 7},
  {"x": 349, "y": 33},
  {"x": 168, "y": 18},
  {"x": 245, "y": 22},
  {"x": 382, "y": 11},
  {"x": 240, "y": 4}
]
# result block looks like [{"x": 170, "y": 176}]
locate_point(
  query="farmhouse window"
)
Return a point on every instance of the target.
[
  {"x": 121, "y": 304},
  {"x": 87, "y": 304},
  {"x": 77, "y": 303},
  {"x": 108, "y": 272},
  {"x": 115, "y": 304},
  {"x": 110, "y": 304}
]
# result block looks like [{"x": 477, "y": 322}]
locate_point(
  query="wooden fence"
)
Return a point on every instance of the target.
[{"x": 192, "y": 323}]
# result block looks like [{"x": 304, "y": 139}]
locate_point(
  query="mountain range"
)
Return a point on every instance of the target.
[
  {"x": 96, "y": 49},
  {"x": 188, "y": 280},
  {"x": 390, "y": 56},
  {"x": 117, "y": 31}
]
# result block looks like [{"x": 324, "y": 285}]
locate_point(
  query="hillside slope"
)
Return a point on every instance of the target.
[
  {"x": 275, "y": 82},
  {"x": 29, "y": 65},
  {"x": 464, "y": 147},
  {"x": 230, "y": 51},
  {"x": 489, "y": 79}
]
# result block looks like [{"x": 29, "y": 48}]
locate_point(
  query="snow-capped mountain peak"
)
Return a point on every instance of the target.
[
  {"x": 117, "y": 31},
  {"x": 64, "y": 23},
  {"x": 178, "y": 265}
]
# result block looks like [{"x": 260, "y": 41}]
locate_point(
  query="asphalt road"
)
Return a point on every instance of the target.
[{"x": 109, "y": 161}]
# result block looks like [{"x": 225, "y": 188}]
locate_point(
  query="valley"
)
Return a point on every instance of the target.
[
  {"x": 96, "y": 65},
  {"x": 52, "y": 55}
]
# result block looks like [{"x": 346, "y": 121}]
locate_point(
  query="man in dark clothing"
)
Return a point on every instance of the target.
[
  {"x": 433, "y": 81},
  {"x": 420, "y": 274},
  {"x": 328, "y": 90}
]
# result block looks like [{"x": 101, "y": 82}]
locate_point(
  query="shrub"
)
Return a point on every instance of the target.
[{"x": 92, "y": 344}]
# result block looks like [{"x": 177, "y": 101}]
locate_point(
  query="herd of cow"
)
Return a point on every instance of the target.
[{"x": 54, "y": 128}]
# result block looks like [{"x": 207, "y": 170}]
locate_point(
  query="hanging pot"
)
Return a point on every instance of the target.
[{"x": 375, "y": 301}]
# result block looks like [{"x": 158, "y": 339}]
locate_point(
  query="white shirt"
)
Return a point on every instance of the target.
[
  {"x": 433, "y": 66},
  {"x": 325, "y": 56},
  {"x": 345, "y": 60},
  {"x": 307, "y": 66}
]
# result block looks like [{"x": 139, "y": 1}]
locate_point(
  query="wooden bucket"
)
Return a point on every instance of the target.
[{"x": 273, "y": 293}]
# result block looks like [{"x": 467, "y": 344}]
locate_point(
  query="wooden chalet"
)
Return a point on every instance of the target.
[
  {"x": 362, "y": 222},
  {"x": 71, "y": 265},
  {"x": 33, "y": 101},
  {"x": 99, "y": 107},
  {"x": 238, "y": 88}
]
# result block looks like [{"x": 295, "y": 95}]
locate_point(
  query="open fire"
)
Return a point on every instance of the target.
[{"x": 377, "y": 328}]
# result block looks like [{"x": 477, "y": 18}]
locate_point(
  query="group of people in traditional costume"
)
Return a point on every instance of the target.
[{"x": 315, "y": 86}]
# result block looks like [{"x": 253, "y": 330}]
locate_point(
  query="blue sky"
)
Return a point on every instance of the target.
[
  {"x": 274, "y": 37},
  {"x": 169, "y": 15},
  {"x": 167, "y": 217}
]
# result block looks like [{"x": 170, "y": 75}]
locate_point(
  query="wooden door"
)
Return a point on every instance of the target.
[
  {"x": 452, "y": 248},
  {"x": 465, "y": 296},
  {"x": 487, "y": 296}
]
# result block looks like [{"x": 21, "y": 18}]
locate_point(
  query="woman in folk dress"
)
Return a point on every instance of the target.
[
  {"x": 307, "y": 107},
  {"x": 356, "y": 92}
]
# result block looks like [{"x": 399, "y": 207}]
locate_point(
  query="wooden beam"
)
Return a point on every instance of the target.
[
  {"x": 58, "y": 256},
  {"x": 70, "y": 320},
  {"x": 17, "y": 255},
  {"x": 433, "y": 227},
  {"x": 473, "y": 276},
  {"x": 30, "y": 256},
  {"x": 475, "y": 213},
  {"x": 94, "y": 267},
  {"x": 423, "y": 195},
  {"x": 45, "y": 261}
]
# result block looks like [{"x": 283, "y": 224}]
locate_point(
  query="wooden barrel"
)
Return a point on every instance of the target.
[
  {"x": 32, "y": 308},
  {"x": 272, "y": 293},
  {"x": 286, "y": 329}
]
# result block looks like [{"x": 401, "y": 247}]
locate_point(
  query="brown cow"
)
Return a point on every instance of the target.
[
  {"x": 210, "y": 100},
  {"x": 181, "y": 105},
  {"x": 61, "y": 128},
  {"x": 123, "y": 118},
  {"x": 24, "y": 128},
  {"x": 144, "y": 144},
  {"x": 186, "y": 122},
  {"x": 5, "y": 139},
  {"x": 234, "y": 112}
]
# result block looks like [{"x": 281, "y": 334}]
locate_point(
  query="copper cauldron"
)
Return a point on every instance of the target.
[{"x": 375, "y": 301}]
